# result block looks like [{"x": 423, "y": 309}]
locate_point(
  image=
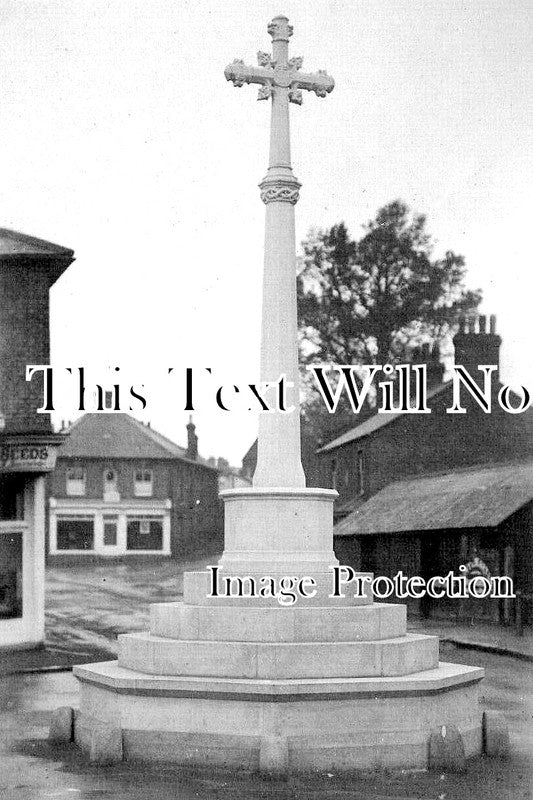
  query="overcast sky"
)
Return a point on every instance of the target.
[{"x": 121, "y": 139}]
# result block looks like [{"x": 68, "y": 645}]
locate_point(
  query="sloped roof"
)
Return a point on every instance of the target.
[
  {"x": 478, "y": 497},
  {"x": 15, "y": 243},
  {"x": 17, "y": 247},
  {"x": 375, "y": 422},
  {"x": 120, "y": 436}
]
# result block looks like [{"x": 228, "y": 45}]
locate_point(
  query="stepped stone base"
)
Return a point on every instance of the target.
[
  {"x": 330, "y": 683},
  {"x": 159, "y": 656}
]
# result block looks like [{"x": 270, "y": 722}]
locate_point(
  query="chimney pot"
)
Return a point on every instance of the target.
[
  {"x": 473, "y": 349},
  {"x": 192, "y": 440}
]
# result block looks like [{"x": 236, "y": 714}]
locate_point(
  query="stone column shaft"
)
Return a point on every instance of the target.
[{"x": 279, "y": 463}]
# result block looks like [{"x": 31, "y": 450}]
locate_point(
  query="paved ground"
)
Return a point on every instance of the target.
[
  {"x": 490, "y": 638},
  {"x": 88, "y": 606}
]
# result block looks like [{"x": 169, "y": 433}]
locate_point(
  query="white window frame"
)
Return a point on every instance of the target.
[
  {"x": 76, "y": 487},
  {"x": 145, "y": 486},
  {"x": 110, "y": 519}
]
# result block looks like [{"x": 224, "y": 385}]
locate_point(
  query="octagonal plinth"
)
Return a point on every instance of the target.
[{"x": 328, "y": 724}]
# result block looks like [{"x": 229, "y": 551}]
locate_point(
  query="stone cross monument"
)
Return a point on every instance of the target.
[
  {"x": 278, "y": 453},
  {"x": 330, "y": 682}
]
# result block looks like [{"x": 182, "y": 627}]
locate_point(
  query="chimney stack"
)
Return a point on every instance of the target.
[
  {"x": 474, "y": 345},
  {"x": 430, "y": 355},
  {"x": 192, "y": 440}
]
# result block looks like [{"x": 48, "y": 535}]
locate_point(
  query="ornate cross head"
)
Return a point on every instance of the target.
[{"x": 278, "y": 70}]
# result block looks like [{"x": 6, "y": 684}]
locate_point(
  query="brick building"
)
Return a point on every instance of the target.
[
  {"x": 422, "y": 493},
  {"x": 28, "y": 268},
  {"x": 120, "y": 488}
]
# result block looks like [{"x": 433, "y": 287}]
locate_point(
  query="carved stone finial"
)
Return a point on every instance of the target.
[
  {"x": 264, "y": 59},
  {"x": 236, "y": 72},
  {"x": 295, "y": 96},
  {"x": 264, "y": 92},
  {"x": 325, "y": 85},
  {"x": 277, "y": 71},
  {"x": 279, "y": 29}
]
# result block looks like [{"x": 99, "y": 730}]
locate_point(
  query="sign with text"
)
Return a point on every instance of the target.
[{"x": 27, "y": 454}]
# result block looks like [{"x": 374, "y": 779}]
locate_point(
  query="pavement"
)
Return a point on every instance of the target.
[
  {"x": 88, "y": 606},
  {"x": 485, "y": 637}
]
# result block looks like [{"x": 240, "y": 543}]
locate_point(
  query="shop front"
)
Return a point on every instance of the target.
[
  {"x": 28, "y": 269},
  {"x": 24, "y": 462}
]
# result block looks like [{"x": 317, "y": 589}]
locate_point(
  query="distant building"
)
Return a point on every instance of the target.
[
  {"x": 120, "y": 488},
  {"x": 230, "y": 477},
  {"x": 28, "y": 268},
  {"x": 424, "y": 493}
]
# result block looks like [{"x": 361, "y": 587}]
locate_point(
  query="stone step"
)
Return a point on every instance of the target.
[
  {"x": 197, "y": 590},
  {"x": 264, "y": 624},
  {"x": 278, "y": 660}
]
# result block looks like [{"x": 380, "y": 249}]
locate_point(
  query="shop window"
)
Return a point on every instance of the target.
[
  {"x": 145, "y": 533},
  {"x": 11, "y": 497},
  {"x": 143, "y": 483},
  {"x": 10, "y": 575},
  {"x": 75, "y": 533},
  {"x": 110, "y": 531},
  {"x": 75, "y": 481}
]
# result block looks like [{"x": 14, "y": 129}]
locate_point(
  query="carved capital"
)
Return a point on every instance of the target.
[
  {"x": 280, "y": 194},
  {"x": 280, "y": 190}
]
